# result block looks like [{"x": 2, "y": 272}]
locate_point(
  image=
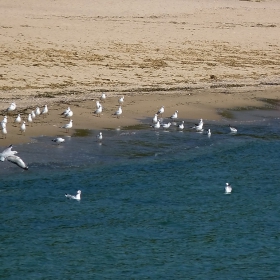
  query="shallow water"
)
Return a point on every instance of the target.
[{"x": 153, "y": 205}]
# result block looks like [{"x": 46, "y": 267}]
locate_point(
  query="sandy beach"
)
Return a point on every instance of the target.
[{"x": 197, "y": 57}]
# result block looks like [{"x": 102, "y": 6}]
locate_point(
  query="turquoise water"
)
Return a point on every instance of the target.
[{"x": 153, "y": 205}]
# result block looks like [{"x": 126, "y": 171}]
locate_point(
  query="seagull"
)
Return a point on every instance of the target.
[
  {"x": 181, "y": 125},
  {"x": 12, "y": 107},
  {"x": 37, "y": 111},
  {"x": 18, "y": 161},
  {"x": 232, "y": 129},
  {"x": 155, "y": 118},
  {"x": 228, "y": 188},
  {"x": 45, "y": 110},
  {"x": 58, "y": 140},
  {"x": 209, "y": 132},
  {"x": 4, "y": 132},
  {"x": 99, "y": 136},
  {"x": 4, "y": 122},
  {"x": 121, "y": 100},
  {"x": 23, "y": 127},
  {"x": 7, "y": 152},
  {"x": 66, "y": 111},
  {"x": 118, "y": 112},
  {"x": 199, "y": 126},
  {"x": 103, "y": 97},
  {"x": 98, "y": 111},
  {"x": 98, "y": 104},
  {"x": 33, "y": 115},
  {"x": 68, "y": 125},
  {"x": 161, "y": 110},
  {"x": 69, "y": 114},
  {"x": 175, "y": 115},
  {"x": 29, "y": 119},
  {"x": 77, "y": 196},
  {"x": 156, "y": 125},
  {"x": 18, "y": 119},
  {"x": 166, "y": 125}
]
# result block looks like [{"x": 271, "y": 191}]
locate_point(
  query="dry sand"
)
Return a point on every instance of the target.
[{"x": 198, "y": 57}]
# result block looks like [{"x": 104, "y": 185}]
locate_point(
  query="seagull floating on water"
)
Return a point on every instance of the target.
[
  {"x": 209, "y": 132},
  {"x": 232, "y": 129},
  {"x": 199, "y": 127},
  {"x": 166, "y": 125},
  {"x": 181, "y": 125},
  {"x": 99, "y": 136},
  {"x": 77, "y": 196},
  {"x": 156, "y": 125},
  {"x": 58, "y": 140},
  {"x": 228, "y": 188}
]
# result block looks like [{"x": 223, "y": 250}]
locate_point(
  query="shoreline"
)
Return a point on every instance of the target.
[{"x": 208, "y": 104}]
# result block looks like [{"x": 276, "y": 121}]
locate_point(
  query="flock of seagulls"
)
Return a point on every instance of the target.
[{"x": 157, "y": 123}]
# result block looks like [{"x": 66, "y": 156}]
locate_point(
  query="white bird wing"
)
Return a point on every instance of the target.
[
  {"x": 18, "y": 161},
  {"x": 7, "y": 152}
]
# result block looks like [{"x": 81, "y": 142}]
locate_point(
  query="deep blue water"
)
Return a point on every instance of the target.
[{"x": 153, "y": 205}]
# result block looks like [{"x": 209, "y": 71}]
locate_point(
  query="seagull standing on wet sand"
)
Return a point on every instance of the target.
[
  {"x": 98, "y": 111},
  {"x": 45, "y": 111},
  {"x": 121, "y": 100},
  {"x": 4, "y": 132},
  {"x": 175, "y": 115},
  {"x": 18, "y": 119},
  {"x": 155, "y": 118},
  {"x": 29, "y": 119},
  {"x": 118, "y": 112},
  {"x": 160, "y": 111},
  {"x": 12, "y": 107},
  {"x": 23, "y": 128},
  {"x": 156, "y": 125},
  {"x": 68, "y": 126},
  {"x": 37, "y": 111},
  {"x": 103, "y": 97}
]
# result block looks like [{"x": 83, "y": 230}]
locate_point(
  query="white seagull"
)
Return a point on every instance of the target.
[
  {"x": 121, "y": 100},
  {"x": 103, "y": 97},
  {"x": 29, "y": 119},
  {"x": 99, "y": 136},
  {"x": 12, "y": 107},
  {"x": 155, "y": 118},
  {"x": 232, "y": 129},
  {"x": 209, "y": 132},
  {"x": 45, "y": 110},
  {"x": 23, "y": 127},
  {"x": 58, "y": 140},
  {"x": 77, "y": 196},
  {"x": 18, "y": 119},
  {"x": 161, "y": 110},
  {"x": 118, "y": 112},
  {"x": 175, "y": 115},
  {"x": 37, "y": 111},
  {"x": 68, "y": 125},
  {"x": 69, "y": 114},
  {"x": 199, "y": 127},
  {"x": 18, "y": 161},
  {"x": 66, "y": 111},
  {"x": 181, "y": 125},
  {"x": 4, "y": 122},
  {"x": 4, "y": 132},
  {"x": 156, "y": 125},
  {"x": 98, "y": 111},
  {"x": 166, "y": 125},
  {"x": 33, "y": 115},
  {"x": 7, "y": 152},
  {"x": 228, "y": 188}
]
